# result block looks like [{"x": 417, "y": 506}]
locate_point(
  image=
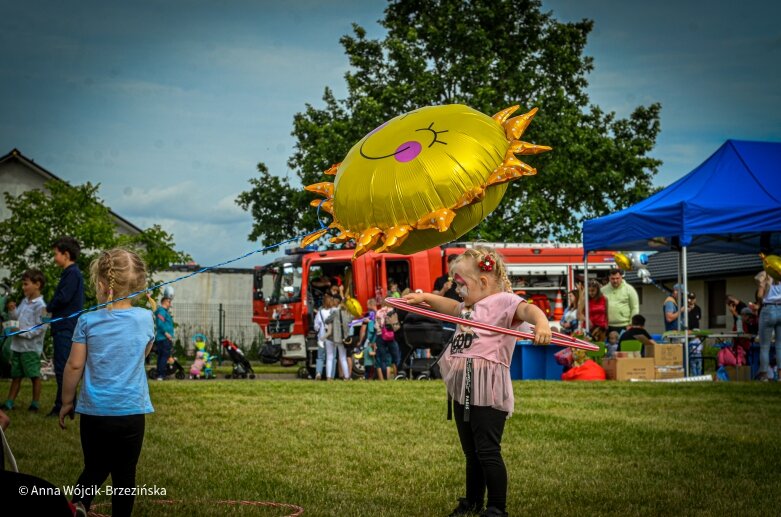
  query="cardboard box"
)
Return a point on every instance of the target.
[
  {"x": 669, "y": 372},
  {"x": 665, "y": 355},
  {"x": 624, "y": 369},
  {"x": 738, "y": 373}
]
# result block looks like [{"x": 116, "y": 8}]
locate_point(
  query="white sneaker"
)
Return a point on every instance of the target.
[{"x": 160, "y": 379}]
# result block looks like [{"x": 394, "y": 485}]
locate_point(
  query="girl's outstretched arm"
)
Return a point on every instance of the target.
[
  {"x": 438, "y": 303},
  {"x": 534, "y": 315}
]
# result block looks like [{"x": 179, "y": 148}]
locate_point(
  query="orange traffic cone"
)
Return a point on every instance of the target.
[{"x": 558, "y": 307}]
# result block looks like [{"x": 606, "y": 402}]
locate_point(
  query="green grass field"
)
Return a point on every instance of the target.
[{"x": 386, "y": 449}]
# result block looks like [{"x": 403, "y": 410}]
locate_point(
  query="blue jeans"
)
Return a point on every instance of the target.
[
  {"x": 395, "y": 354},
  {"x": 769, "y": 322},
  {"x": 320, "y": 362},
  {"x": 62, "y": 349},
  {"x": 163, "y": 353}
]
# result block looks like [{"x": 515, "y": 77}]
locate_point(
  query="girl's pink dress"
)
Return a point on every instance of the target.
[{"x": 491, "y": 353}]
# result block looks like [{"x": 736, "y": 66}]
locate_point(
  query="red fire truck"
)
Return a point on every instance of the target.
[{"x": 284, "y": 294}]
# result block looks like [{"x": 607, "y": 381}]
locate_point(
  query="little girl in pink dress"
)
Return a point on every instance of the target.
[{"x": 476, "y": 369}]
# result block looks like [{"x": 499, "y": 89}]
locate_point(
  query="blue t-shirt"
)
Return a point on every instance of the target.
[
  {"x": 670, "y": 307},
  {"x": 115, "y": 382}
]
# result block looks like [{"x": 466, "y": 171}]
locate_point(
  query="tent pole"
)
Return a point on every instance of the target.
[
  {"x": 584, "y": 294},
  {"x": 680, "y": 281},
  {"x": 685, "y": 307}
]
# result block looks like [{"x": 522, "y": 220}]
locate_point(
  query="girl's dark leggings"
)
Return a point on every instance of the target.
[
  {"x": 111, "y": 445},
  {"x": 481, "y": 441}
]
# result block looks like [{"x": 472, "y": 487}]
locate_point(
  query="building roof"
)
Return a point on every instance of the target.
[
  {"x": 16, "y": 154},
  {"x": 664, "y": 266}
]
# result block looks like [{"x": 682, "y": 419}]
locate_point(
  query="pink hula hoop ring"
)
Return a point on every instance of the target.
[{"x": 425, "y": 310}]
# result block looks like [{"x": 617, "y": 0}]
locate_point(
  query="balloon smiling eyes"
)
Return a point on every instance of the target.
[{"x": 409, "y": 150}]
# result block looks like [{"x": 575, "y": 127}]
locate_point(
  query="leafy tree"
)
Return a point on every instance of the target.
[
  {"x": 488, "y": 54},
  {"x": 39, "y": 217}
]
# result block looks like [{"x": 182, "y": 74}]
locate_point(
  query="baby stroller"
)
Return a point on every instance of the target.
[
  {"x": 172, "y": 367},
  {"x": 241, "y": 366},
  {"x": 421, "y": 333}
]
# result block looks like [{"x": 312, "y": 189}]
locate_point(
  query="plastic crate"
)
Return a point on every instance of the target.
[{"x": 532, "y": 362}]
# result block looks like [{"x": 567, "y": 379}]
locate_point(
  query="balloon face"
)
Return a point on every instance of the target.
[{"x": 424, "y": 178}]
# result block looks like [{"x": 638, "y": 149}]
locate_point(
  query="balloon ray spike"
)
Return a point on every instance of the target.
[
  {"x": 394, "y": 237},
  {"x": 515, "y": 127},
  {"x": 324, "y": 188},
  {"x": 367, "y": 241},
  {"x": 439, "y": 220},
  {"x": 309, "y": 239},
  {"x": 503, "y": 115},
  {"x": 333, "y": 169},
  {"x": 525, "y": 148}
]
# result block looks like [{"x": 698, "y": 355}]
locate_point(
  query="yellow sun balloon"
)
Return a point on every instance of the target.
[{"x": 424, "y": 178}]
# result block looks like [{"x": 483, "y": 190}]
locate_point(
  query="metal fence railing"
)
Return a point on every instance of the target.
[{"x": 216, "y": 321}]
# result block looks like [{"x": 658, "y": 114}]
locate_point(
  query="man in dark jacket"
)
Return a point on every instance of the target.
[{"x": 67, "y": 299}]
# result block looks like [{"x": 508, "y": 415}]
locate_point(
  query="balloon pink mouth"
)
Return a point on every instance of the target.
[{"x": 407, "y": 151}]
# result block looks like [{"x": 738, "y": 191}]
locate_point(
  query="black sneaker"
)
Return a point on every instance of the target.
[
  {"x": 493, "y": 511},
  {"x": 53, "y": 413},
  {"x": 33, "y": 408},
  {"x": 465, "y": 507}
]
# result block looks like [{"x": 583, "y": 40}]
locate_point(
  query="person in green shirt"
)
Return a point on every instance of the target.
[{"x": 622, "y": 302}]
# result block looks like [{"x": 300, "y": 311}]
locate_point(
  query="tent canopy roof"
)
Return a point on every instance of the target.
[{"x": 730, "y": 203}]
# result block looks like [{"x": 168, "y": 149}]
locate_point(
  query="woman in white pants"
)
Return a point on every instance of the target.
[{"x": 340, "y": 320}]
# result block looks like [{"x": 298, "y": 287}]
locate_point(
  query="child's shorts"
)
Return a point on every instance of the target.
[{"x": 25, "y": 364}]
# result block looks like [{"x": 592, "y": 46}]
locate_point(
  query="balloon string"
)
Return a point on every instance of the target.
[{"x": 178, "y": 279}]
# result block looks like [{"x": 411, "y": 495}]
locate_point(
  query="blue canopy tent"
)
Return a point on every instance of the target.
[{"x": 730, "y": 203}]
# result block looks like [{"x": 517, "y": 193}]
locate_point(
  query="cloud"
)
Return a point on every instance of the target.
[
  {"x": 187, "y": 201},
  {"x": 211, "y": 243}
]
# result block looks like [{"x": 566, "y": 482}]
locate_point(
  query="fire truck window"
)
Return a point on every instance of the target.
[
  {"x": 398, "y": 272},
  {"x": 287, "y": 285}
]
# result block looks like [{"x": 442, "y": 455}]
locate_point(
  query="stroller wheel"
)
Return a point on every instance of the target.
[
  {"x": 179, "y": 375},
  {"x": 252, "y": 376},
  {"x": 401, "y": 376},
  {"x": 152, "y": 373},
  {"x": 423, "y": 377}
]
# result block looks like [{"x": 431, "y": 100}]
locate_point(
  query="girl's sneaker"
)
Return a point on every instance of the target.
[{"x": 465, "y": 507}]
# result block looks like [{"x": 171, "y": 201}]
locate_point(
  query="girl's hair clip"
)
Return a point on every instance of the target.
[{"x": 486, "y": 263}]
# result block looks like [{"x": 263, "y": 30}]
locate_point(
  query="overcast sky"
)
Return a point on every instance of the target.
[{"x": 170, "y": 105}]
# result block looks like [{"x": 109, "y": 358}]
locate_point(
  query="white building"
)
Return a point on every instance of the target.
[{"x": 20, "y": 174}]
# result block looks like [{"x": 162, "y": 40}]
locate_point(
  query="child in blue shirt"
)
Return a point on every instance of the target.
[{"x": 109, "y": 347}]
